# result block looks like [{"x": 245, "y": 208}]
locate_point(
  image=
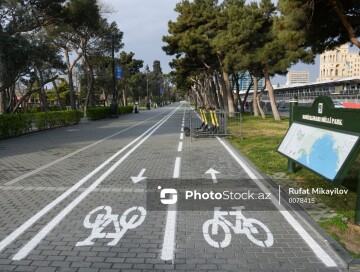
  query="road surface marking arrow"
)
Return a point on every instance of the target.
[
  {"x": 213, "y": 173},
  {"x": 139, "y": 177}
]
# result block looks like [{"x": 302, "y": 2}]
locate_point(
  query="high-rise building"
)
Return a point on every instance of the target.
[
  {"x": 245, "y": 81},
  {"x": 297, "y": 77},
  {"x": 339, "y": 63}
]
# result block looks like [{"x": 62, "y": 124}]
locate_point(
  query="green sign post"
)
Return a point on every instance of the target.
[{"x": 324, "y": 139}]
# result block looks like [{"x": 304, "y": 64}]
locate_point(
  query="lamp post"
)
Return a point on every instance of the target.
[
  {"x": 114, "y": 102},
  {"x": 147, "y": 90}
]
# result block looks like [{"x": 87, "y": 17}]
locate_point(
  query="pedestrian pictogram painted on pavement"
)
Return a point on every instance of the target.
[
  {"x": 256, "y": 231},
  {"x": 101, "y": 217}
]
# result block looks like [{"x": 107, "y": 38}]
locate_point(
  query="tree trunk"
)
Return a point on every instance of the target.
[
  {"x": 3, "y": 102},
  {"x": 12, "y": 98},
  {"x": 258, "y": 100},
  {"x": 70, "y": 68},
  {"x": 255, "y": 98},
  {"x": 58, "y": 96},
  {"x": 215, "y": 96},
  {"x": 246, "y": 95},
  {"x": 270, "y": 89},
  {"x": 90, "y": 87},
  {"x": 237, "y": 97},
  {"x": 27, "y": 95},
  {"x": 229, "y": 95},
  {"x": 71, "y": 90},
  {"x": 125, "y": 97},
  {"x": 219, "y": 92},
  {"x": 2, "y": 77},
  {"x": 42, "y": 94}
]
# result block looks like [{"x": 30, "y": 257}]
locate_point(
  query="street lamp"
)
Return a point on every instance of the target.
[
  {"x": 114, "y": 102},
  {"x": 147, "y": 89}
]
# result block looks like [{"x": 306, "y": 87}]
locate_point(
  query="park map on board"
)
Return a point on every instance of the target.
[{"x": 321, "y": 150}]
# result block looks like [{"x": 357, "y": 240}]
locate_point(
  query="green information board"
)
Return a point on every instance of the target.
[{"x": 322, "y": 138}]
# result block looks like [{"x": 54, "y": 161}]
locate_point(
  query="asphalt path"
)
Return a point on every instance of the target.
[{"x": 85, "y": 198}]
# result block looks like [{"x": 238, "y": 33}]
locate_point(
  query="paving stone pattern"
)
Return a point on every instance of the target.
[{"x": 140, "y": 248}]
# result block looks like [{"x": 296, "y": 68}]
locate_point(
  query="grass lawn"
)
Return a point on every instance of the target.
[{"x": 261, "y": 138}]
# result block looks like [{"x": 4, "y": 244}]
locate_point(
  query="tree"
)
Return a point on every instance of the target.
[
  {"x": 16, "y": 19},
  {"x": 192, "y": 42},
  {"x": 131, "y": 75},
  {"x": 320, "y": 24}
]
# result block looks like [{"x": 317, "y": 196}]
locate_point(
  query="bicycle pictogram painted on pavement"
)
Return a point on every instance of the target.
[
  {"x": 256, "y": 231},
  {"x": 101, "y": 217}
]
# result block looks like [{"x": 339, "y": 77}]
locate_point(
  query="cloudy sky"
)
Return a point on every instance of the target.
[{"x": 144, "y": 23}]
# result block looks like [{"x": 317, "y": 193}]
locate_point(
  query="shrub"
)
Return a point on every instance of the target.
[
  {"x": 125, "y": 109},
  {"x": 98, "y": 113},
  {"x": 104, "y": 112},
  {"x": 12, "y": 125}
]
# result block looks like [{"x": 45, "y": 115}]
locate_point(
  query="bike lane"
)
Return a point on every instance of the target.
[
  {"x": 263, "y": 236},
  {"x": 66, "y": 247},
  {"x": 167, "y": 239},
  {"x": 24, "y": 201}
]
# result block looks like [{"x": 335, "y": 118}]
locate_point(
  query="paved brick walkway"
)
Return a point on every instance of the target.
[{"x": 79, "y": 209}]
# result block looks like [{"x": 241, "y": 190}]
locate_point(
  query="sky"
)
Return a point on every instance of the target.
[{"x": 145, "y": 22}]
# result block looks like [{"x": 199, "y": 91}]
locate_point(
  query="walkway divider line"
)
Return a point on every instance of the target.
[
  {"x": 177, "y": 168},
  {"x": 180, "y": 146},
  {"x": 167, "y": 252},
  {"x": 35, "y": 171},
  {"x": 31, "y": 221},
  {"x": 317, "y": 249},
  {"x": 25, "y": 250}
]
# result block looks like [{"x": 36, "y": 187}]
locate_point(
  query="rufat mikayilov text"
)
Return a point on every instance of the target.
[
  {"x": 317, "y": 191},
  {"x": 226, "y": 195}
]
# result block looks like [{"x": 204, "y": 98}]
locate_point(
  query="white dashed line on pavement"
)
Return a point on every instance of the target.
[
  {"x": 167, "y": 252},
  {"x": 177, "y": 168},
  {"x": 181, "y": 136},
  {"x": 180, "y": 147}
]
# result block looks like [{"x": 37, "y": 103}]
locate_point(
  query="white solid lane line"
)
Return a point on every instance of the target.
[
  {"x": 25, "y": 250},
  {"x": 33, "y": 172},
  {"x": 317, "y": 249},
  {"x": 17, "y": 232}
]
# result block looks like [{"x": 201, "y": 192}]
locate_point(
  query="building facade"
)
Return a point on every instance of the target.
[
  {"x": 341, "y": 62},
  {"x": 246, "y": 80},
  {"x": 297, "y": 77}
]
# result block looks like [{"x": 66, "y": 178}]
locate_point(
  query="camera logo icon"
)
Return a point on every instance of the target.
[{"x": 168, "y": 196}]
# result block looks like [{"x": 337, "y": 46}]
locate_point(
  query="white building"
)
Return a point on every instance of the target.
[
  {"x": 339, "y": 63},
  {"x": 297, "y": 77}
]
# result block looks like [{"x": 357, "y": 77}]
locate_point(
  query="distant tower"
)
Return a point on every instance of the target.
[{"x": 339, "y": 63}]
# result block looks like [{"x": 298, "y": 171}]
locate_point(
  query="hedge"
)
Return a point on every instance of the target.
[
  {"x": 104, "y": 112},
  {"x": 125, "y": 109},
  {"x": 12, "y": 125},
  {"x": 98, "y": 113}
]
